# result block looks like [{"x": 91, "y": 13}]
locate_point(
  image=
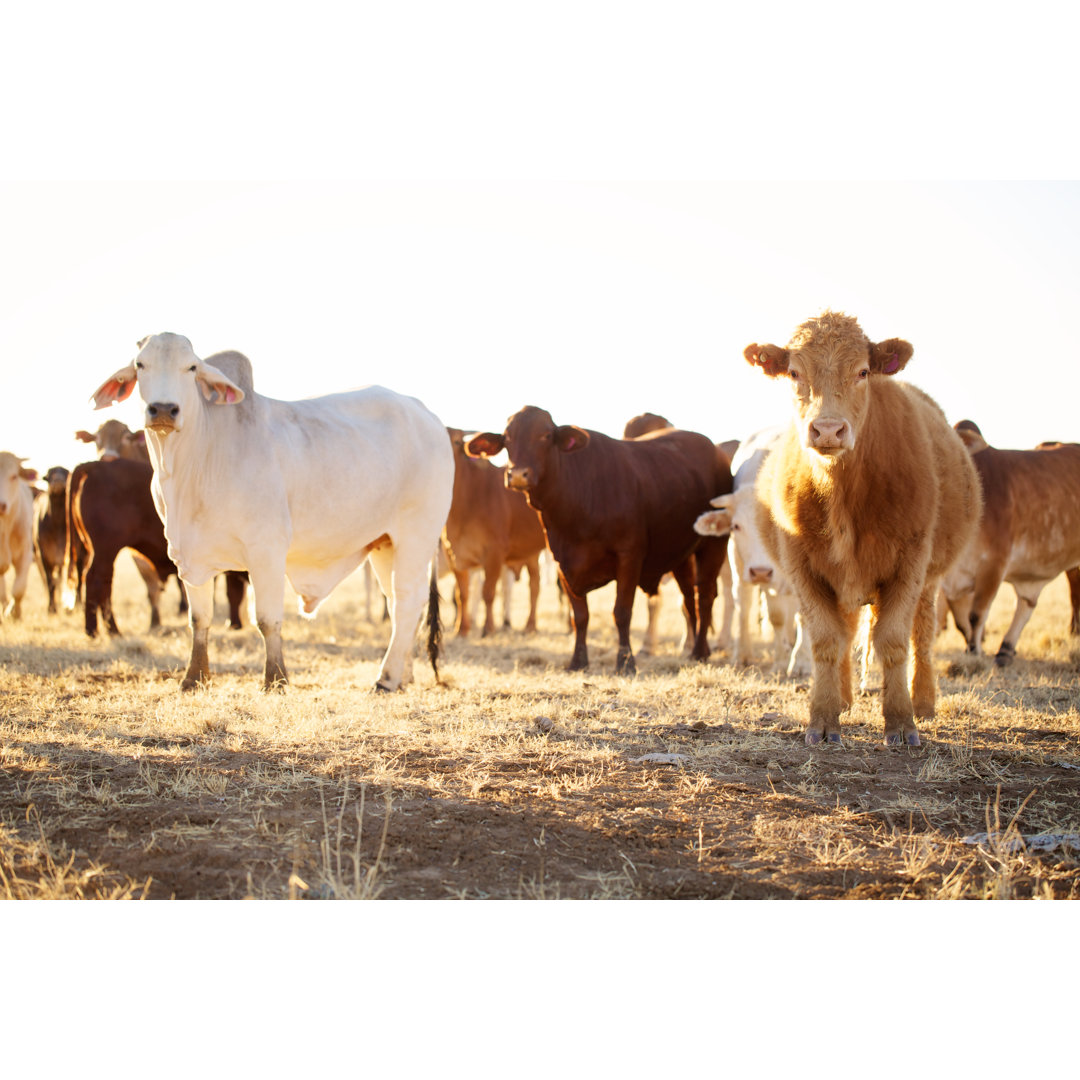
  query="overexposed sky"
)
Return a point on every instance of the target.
[{"x": 595, "y": 300}]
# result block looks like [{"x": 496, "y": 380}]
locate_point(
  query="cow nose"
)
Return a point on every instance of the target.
[
  {"x": 828, "y": 434},
  {"x": 3, "y": 508},
  {"x": 760, "y": 575},
  {"x": 159, "y": 409},
  {"x": 518, "y": 477}
]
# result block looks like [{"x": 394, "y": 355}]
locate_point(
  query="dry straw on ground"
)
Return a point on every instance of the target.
[{"x": 518, "y": 779}]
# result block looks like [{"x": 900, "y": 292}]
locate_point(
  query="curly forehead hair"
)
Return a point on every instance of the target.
[{"x": 831, "y": 326}]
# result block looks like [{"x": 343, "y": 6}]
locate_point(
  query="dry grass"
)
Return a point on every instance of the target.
[{"x": 516, "y": 779}]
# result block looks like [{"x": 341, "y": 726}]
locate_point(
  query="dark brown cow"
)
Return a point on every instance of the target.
[
  {"x": 1029, "y": 533},
  {"x": 489, "y": 526},
  {"x": 617, "y": 509},
  {"x": 869, "y": 498},
  {"x": 111, "y": 508},
  {"x": 50, "y": 531}
]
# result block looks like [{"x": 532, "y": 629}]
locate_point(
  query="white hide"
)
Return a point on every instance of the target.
[
  {"x": 241, "y": 482},
  {"x": 16, "y": 533},
  {"x": 754, "y": 570}
]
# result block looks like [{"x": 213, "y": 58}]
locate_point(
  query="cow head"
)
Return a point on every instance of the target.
[
  {"x": 831, "y": 364},
  {"x": 111, "y": 439},
  {"x": 170, "y": 378},
  {"x": 530, "y": 440},
  {"x": 735, "y": 516},
  {"x": 56, "y": 479},
  {"x": 12, "y": 474}
]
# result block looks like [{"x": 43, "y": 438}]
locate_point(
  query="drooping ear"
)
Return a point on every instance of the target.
[
  {"x": 889, "y": 357},
  {"x": 770, "y": 358},
  {"x": 29, "y": 475},
  {"x": 85, "y": 436},
  {"x": 484, "y": 444},
  {"x": 216, "y": 387},
  {"x": 569, "y": 439},
  {"x": 116, "y": 388},
  {"x": 713, "y": 523}
]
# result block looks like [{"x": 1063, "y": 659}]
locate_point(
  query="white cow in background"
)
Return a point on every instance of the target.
[
  {"x": 754, "y": 570},
  {"x": 240, "y": 484},
  {"x": 16, "y": 531}
]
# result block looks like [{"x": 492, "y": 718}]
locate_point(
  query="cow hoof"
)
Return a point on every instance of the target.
[
  {"x": 813, "y": 738},
  {"x": 833, "y": 737},
  {"x": 379, "y": 688},
  {"x": 1005, "y": 657},
  {"x": 913, "y": 739},
  {"x": 190, "y": 684},
  {"x": 894, "y": 740}
]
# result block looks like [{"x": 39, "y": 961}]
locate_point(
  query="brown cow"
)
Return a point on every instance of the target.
[
  {"x": 644, "y": 424},
  {"x": 50, "y": 531},
  {"x": 111, "y": 508},
  {"x": 1029, "y": 533},
  {"x": 621, "y": 509},
  {"x": 489, "y": 526},
  {"x": 869, "y": 498},
  {"x": 115, "y": 439}
]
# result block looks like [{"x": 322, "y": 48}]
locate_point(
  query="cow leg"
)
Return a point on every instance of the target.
[
  {"x": 625, "y": 587},
  {"x": 684, "y": 575},
  {"x": 235, "y": 590},
  {"x": 1073, "y": 576},
  {"x": 464, "y": 624},
  {"x": 579, "y": 616},
  {"x": 894, "y": 623},
  {"x": 923, "y": 679},
  {"x": 747, "y": 603},
  {"x": 153, "y": 587},
  {"x": 267, "y": 575},
  {"x": 708, "y": 561},
  {"x": 98, "y": 593},
  {"x": 727, "y": 606},
  {"x": 831, "y": 632},
  {"x": 492, "y": 573},
  {"x": 649, "y": 645},
  {"x": 986, "y": 587},
  {"x": 18, "y": 588},
  {"x": 534, "y": 593},
  {"x": 200, "y": 616},
  {"x": 1027, "y": 596},
  {"x": 403, "y": 570}
]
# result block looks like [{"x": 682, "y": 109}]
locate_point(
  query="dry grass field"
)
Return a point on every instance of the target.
[{"x": 517, "y": 779}]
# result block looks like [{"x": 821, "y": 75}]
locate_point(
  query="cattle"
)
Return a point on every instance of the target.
[
  {"x": 111, "y": 508},
  {"x": 617, "y": 509},
  {"x": 869, "y": 498},
  {"x": 238, "y": 483},
  {"x": 50, "y": 531},
  {"x": 644, "y": 424},
  {"x": 1028, "y": 534},
  {"x": 753, "y": 569},
  {"x": 115, "y": 439},
  {"x": 490, "y": 526},
  {"x": 16, "y": 531}
]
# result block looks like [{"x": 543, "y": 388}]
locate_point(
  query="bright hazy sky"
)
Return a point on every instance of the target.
[{"x": 596, "y": 301}]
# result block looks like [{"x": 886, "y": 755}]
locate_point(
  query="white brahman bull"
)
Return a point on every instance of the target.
[
  {"x": 16, "y": 531},
  {"x": 239, "y": 482}
]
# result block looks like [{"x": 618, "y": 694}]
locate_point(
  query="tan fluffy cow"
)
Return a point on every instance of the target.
[
  {"x": 1029, "y": 533},
  {"x": 16, "y": 531},
  {"x": 869, "y": 498}
]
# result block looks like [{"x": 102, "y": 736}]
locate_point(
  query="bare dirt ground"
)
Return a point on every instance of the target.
[{"x": 518, "y": 779}]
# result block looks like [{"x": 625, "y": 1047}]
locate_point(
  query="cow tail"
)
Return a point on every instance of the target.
[{"x": 434, "y": 624}]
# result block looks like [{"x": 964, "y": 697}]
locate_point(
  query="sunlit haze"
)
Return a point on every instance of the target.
[{"x": 595, "y": 301}]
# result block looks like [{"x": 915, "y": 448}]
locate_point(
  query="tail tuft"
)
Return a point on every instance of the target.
[{"x": 434, "y": 624}]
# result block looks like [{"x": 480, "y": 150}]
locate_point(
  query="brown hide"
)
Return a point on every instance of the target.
[
  {"x": 489, "y": 526},
  {"x": 50, "y": 531},
  {"x": 643, "y": 423},
  {"x": 621, "y": 510},
  {"x": 869, "y": 498},
  {"x": 1028, "y": 534}
]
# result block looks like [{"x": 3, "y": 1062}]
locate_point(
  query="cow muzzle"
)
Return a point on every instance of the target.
[
  {"x": 760, "y": 575},
  {"x": 520, "y": 479},
  {"x": 829, "y": 437},
  {"x": 163, "y": 416}
]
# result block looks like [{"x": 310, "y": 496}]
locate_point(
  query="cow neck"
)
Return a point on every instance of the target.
[{"x": 570, "y": 486}]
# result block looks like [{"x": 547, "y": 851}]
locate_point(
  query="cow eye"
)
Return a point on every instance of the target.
[
  {"x": 864, "y": 373},
  {"x": 139, "y": 365},
  {"x": 192, "y": 368}
]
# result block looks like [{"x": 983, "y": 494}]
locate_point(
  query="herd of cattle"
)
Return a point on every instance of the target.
[{"x": 866, "y": 498}]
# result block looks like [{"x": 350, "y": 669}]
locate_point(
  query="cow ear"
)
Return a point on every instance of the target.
[
  {"x": 889, "y": 357},
  {"x": 484, "y": 444},
  {"x": 142, "y": 341},
  {"x": 569, "y": 439},
  {"x": 770, "y": 358},
  {"x": 713, "y": 523},
  {"x": 216, "y": 387},
  {"x": 29, "y": 475},
  {"x": 84, "y": 436},
  {"x": 116, "y": 388}
]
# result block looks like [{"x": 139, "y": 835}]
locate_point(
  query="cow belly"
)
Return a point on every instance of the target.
[
  {"x": 314, "y": 583},
  {"x": 1030, "y": 563}
]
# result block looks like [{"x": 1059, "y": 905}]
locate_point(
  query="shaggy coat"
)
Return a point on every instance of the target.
[
  {"x": 243, "y": 482},
  {"x": 869, "y": 498},
  {"x": 1028, "y": 534},
  {"x": 490, "y": 527},
  {"x": 619, "y": 510}
]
